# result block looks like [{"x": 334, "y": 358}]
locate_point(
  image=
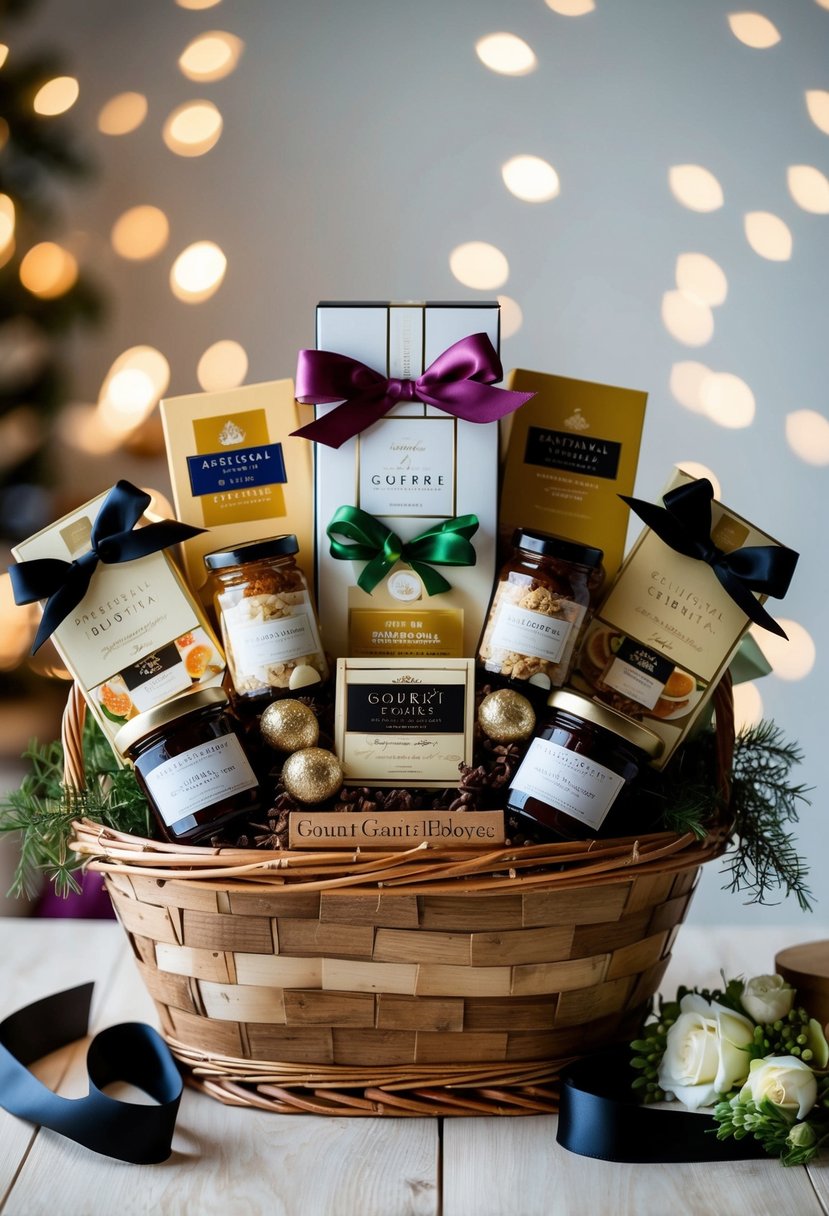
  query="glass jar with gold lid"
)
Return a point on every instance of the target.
[
  {"x": 539, "y": 609},
  {"x": 266, "y": 618}
]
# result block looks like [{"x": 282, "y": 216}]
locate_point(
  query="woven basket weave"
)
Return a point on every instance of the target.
[{"x": 430, "y": 982}]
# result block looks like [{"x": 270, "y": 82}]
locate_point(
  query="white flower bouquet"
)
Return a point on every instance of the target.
[{"x": 750, "y": 1055}]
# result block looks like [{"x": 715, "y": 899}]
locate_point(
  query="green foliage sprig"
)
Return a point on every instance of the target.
[
  {"x": 764, "y": 801},
  {"x": 43, "y": 808}
]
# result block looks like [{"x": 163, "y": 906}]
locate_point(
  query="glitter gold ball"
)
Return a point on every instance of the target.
[
  {"x": 312, "y": 775},
  {"x": 506, "y": 716},
  {"x": 289, "y": 725}
]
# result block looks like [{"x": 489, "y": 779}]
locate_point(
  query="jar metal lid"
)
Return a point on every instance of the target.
[
  {"x": 169, "y": 711},
  {"x": 545, "y": 544},
  {"x": 609, "y": 719},
  {"x": 273, "y": 546}
]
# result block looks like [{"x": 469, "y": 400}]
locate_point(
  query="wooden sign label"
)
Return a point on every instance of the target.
[{"x": 395, "y": 829}]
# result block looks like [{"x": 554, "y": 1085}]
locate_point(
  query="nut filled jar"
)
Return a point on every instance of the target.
[
  {"x": 539, "y": 609},
  {"x": 266, "y": 618},
  {"x": 190, "y": 764},
  {"x": 581, "y": 764}
]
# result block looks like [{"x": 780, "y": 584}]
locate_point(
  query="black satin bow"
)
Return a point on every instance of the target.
[
  {"x": 132, "y": 1052},
  {"x": 684, "y": 523},
  {"x": 64, "y": 584}
]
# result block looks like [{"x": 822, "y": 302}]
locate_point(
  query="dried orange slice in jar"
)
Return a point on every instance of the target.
[
  {"x": 118, "y": 703},
  {"x": 196, "y": 660}
]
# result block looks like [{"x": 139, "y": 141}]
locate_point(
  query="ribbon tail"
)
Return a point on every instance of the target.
[
  {"x": 373, "y": 572},
  {"x": 58, "y": 606},
  {"x": 346, "y": 420},
  {"x": 471, "y": 401},
  {"x": 127, "y": 546},
  {"x": 744, "y": 599},
  {"x": 432, "y": 580}
]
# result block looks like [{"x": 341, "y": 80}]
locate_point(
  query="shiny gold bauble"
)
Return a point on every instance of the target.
[
  {"x": 506, "y": 716},
  {"x": 312, "y": 775},
  {"x": 289, "y": 725}
]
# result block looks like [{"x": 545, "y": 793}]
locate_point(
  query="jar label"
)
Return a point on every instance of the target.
[
  {"x": 203, "y": 776},
  {"x": 568, "y": 781},
  {"x": 265, "y": 634},
  {"x": 520, "y": 631}
]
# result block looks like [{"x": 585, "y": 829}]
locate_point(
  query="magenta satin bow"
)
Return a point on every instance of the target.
[{"x": 459, "y": 382}]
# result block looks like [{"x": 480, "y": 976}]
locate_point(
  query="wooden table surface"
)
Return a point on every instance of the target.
[{"x": 231, "y": 1161}]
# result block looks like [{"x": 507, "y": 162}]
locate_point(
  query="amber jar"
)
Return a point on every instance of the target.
[
  {"x": 581, "y": 764},
  {"x": 266, "y": 618},
  {"x": 190, "y": 764},
  {"x": 539, "y": 609}
]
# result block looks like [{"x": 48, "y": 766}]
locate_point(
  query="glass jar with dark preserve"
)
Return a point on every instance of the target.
[
  {"x": 191, "y": 765},
  {"x": 577, "y": 780},
  {"x": 539, "y": 609}
]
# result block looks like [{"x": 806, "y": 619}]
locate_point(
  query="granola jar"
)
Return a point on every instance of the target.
[
  {"x": 580, "y": 767},
  {"x": 190, "y": 764},
  {"x": 539, "y": 609},
  {"x": 266, "y": 618}
]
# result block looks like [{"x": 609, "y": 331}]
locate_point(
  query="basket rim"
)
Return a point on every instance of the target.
[{"x": 515, "y": 868}]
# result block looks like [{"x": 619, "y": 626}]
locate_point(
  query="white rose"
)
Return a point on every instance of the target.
[
  {"x": 787, "y": 1082},
  {"x": 704, "y": 1053},
  {"x": 766, "y": 998}
]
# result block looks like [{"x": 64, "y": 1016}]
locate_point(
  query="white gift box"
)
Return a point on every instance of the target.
[{"x": 414, "y": 468}]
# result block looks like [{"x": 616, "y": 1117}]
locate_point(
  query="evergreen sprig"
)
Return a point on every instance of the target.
[
  {"x": 763, "y": 857},
  {"x": 43, "y": 809}
]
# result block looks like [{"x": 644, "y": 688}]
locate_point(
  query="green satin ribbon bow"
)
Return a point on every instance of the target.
[{"x": 446, "y": 544}]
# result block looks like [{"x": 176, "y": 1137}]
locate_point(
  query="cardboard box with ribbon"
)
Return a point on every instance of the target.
[
  {"x": 673, "y": 619},
  {"x": 406, "y": 447}
]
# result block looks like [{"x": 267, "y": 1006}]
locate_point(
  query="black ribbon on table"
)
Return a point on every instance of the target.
[
  {"x": 131, "y": 1052},
  {"x": 600, "y": 1117},
  {"x": 684, "y": 523},
  {"x": 64, "y": 584}
]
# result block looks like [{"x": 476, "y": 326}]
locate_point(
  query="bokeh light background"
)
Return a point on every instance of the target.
[{"x": 644, "y": 186}]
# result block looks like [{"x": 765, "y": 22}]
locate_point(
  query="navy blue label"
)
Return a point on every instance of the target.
[{"x": 219, "y": 472}]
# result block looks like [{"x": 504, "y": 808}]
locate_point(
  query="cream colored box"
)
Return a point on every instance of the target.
[
  {"x": 236, "y": 470},
  {"x": 404, "y": 723},
  {"x": 415, "y": 468},
  {"x": 138, "y": 637},
  {"x": 572, "y": 451},
  {"x": 666, "y": 630}
]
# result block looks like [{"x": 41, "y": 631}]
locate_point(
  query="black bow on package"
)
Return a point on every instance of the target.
[
  {"x": 114, "y": 539},
  {"x": 684, "y": 523},
  {"x": 131, "y": 1052}
]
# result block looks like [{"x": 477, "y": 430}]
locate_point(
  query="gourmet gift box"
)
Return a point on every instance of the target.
[
  {"x": 572, "y": 451},
  {"x": 236, "y": 470},
  {"x": 669, "y": 624},
  {"x": 137, "y": 637},
  {"x": 417, "y": 469}
]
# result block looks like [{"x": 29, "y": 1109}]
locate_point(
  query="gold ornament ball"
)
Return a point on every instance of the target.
[
  {"x": 289, "y": 725},
  {"x": 312, "y": 775},
  {"x": 506, "y": 716}
]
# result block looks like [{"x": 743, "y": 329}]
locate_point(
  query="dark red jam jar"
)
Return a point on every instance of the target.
[
  {"x": 581, "y": 764},
  {"x": 190, "y": 764},
  {"x": 539, "y": 609}
]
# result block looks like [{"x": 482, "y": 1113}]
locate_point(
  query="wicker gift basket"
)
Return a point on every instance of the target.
[{"x": 428, "y": 982}]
